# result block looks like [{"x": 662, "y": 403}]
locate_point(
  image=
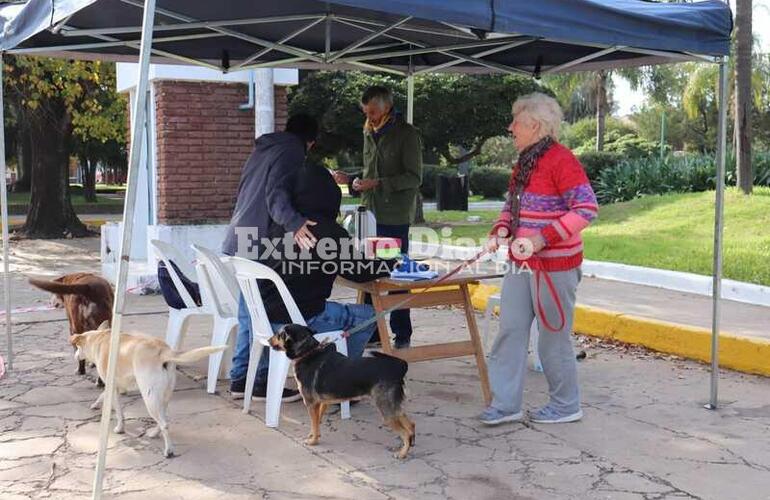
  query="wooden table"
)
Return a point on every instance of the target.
[{"x": 383, "y": 298}]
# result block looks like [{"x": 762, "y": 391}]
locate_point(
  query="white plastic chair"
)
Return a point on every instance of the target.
[
  {"x": 219, "y": 294},
  {"x": 177, "y": 318},
  {"x": 534, "y": 334},
  {"x": 247, "y": 273}
]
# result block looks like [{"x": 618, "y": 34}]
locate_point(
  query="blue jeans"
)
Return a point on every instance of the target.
[{"x": 335, "y": 316}]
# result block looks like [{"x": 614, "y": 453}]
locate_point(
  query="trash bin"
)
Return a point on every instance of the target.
[{"x": 452, "y": 192}]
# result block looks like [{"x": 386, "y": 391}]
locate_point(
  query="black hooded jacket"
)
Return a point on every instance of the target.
[{"x": 310, "y": 277}]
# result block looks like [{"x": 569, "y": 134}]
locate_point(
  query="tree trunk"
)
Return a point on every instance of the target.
[
  {"x": 50, "y": 213},
  {"x": 24, "y": 159},
  {"x": 601, "y": 108},
  {"x": 743, "y": 43},
  {"x": 89, "y": 180}
]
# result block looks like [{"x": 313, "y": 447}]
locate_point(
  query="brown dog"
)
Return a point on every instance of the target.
[{"x": 86, "y": 298}]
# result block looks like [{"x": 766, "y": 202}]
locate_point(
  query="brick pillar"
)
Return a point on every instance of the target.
[{"x": 203, "y": 140}]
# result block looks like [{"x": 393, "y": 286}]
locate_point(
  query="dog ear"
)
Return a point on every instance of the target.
[
  {"x": 299, "y": 340},
  {"x": 76, "y": 340},
  {"x": 105, "y": 325}
]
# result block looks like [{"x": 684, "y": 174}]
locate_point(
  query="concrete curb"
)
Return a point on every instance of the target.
[{"x": 737, "y": 352}]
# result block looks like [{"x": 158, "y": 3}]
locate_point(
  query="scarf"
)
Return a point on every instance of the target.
[
  {"x": 385, "y": 123},
  {"x": 522, "y": 172}
]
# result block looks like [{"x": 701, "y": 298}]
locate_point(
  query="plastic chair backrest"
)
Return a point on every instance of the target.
[
  {"x": 219, "y": 279},
  {"x": 167, "y": 253},
  {"x": 247, "y": 273}
]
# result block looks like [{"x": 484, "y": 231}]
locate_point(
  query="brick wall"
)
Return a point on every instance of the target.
[{"x": 203, "y": 139}]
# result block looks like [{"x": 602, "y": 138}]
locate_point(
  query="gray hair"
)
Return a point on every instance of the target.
[
  {"x": 379, "y": 94},
  {"x": 542, "y": 109}
]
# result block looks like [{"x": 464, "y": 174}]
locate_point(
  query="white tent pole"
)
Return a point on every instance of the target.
[
  {"x": 716, "y": 293},
  {"x": 6, "y": 242},
  {"x": 410, "y": 98},
  {"x": 135, "y": 154}
]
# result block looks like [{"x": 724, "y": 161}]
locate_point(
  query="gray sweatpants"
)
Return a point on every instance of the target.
[{"x": 508, "y": 356}]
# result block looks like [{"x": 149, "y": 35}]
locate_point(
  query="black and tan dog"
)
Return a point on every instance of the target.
[{"x": 326, "y": 377}]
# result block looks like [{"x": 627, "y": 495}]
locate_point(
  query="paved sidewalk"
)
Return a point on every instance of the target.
[{"x": 645, "y": 434}]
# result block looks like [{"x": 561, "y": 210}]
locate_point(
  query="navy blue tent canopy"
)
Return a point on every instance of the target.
[{"x": 515, "y": 36}]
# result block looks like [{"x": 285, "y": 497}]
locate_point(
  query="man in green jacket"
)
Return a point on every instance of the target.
[{"x": 390, "y": 180}]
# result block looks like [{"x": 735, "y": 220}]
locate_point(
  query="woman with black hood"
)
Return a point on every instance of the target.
[{"x": 309, "y": 274}]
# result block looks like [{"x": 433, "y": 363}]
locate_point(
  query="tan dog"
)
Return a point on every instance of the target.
[
  {"x": 86, "y": 298},
  {"x": 144, "y": 363}
]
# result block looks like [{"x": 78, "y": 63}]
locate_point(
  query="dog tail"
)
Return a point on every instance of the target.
[
  {"x": 61, "y": 288},
  {"x": 192, "y": 356}
]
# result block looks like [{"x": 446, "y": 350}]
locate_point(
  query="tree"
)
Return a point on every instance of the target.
[
  {"x": 584, "y": 94},
  {"x": 465, "y": 111},
  {"x": 601, "y": 108},
  {"x": 743, "y": 94},
  {"x": 450, "y": 110},
  {"x": 99, "y": 128},
  {"x": 54, "y": 96},
  {"x": 761, "y": 109},
  {"x": 700, "y": 104}
]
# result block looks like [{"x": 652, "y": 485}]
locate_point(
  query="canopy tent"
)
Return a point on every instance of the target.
[
  {"x": 402, "y": 36},
  {"x": 399, "y": 36}
]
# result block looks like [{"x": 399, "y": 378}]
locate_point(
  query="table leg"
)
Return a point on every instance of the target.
[
  {"x": 382, "y": 325},
  {"x": 477, "y": 346}
]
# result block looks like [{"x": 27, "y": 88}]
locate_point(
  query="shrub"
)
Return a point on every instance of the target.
[
  {"x": 490, "y": 182},
  {"x": 644, "y": 176},
  {"x": 497, "y": 152},
  {"x": 761, "y": 165},
  {"x": 429, "y": 175},
  {"x": 583, "y": 132},
  {"x": 594, "y": 162}
]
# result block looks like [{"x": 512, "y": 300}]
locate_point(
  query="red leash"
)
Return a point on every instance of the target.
[
  {"x": 554, "y": 296},
  {"x": 551, "y": 288}
]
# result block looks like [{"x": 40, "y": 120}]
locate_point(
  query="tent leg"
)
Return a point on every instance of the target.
[
  {"x": 137, "y": 138},
  {"x": 6, "y": 242},
  {"x": 410, "y": 98},
  {"x": 716, "y": 293}
]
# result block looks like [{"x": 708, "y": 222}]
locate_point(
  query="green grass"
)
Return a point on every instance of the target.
[
  {"x": 673, "y": 231},
  {"x": 105, "y": 187},
  {"x": 23, "y": 199}
]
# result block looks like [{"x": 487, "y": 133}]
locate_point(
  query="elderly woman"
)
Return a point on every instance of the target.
[{"x": 549, "y": 202}]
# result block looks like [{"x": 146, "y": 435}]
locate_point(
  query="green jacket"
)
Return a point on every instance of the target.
[{"x": 395, "y": 158}]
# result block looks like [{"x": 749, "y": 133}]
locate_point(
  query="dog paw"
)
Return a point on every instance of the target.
[
  {"x": 95, "y": 406},
  {"x": 169, "y": 453},
  {"x": 401, "y": 455},
  {"x": 312, "y": 440},
  {"x": 119, "y": 429}
]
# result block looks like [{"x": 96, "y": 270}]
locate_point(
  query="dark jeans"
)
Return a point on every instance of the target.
[{"x": 400, "y": 321}]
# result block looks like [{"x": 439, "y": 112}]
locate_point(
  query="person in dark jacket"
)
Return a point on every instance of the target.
[
  {"x": 390, "y": 180},
  {"x": 264, "y": 191},
  {"x": 263, "y": 205},
  {"x": 309, "y": 275}
]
